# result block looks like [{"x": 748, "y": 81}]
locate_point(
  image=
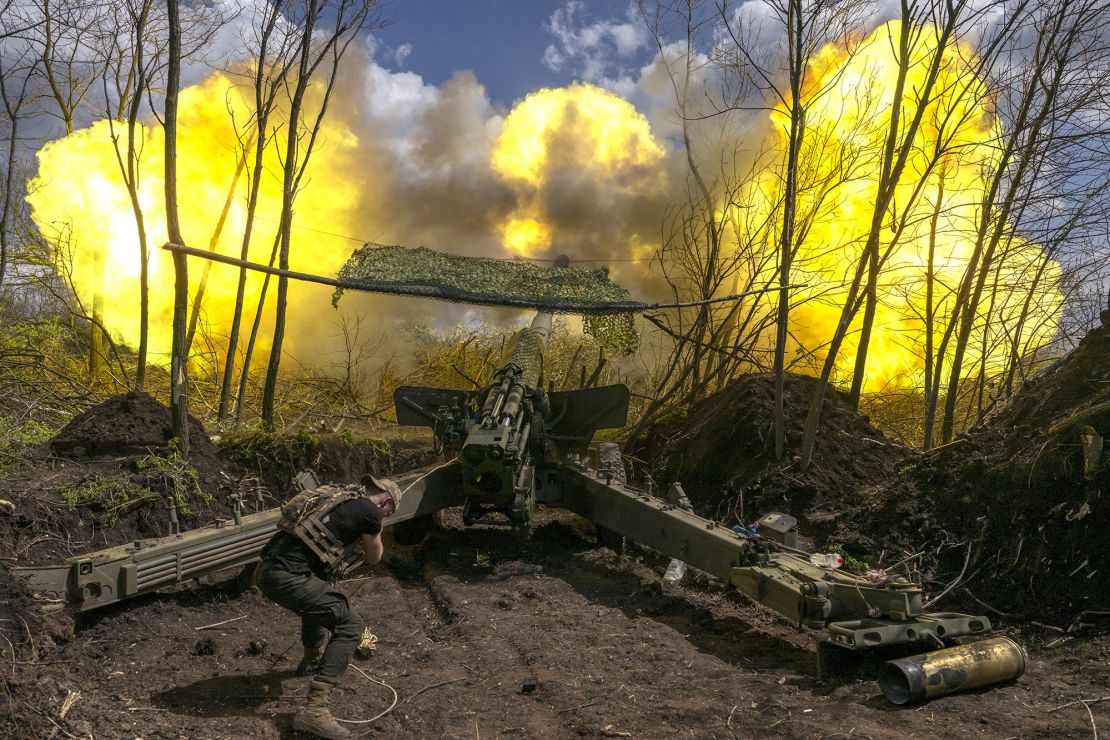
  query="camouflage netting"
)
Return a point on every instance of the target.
[{"x": 606, "y": 307}]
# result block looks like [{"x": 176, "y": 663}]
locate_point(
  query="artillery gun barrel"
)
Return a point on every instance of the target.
[{"x": 528, "y": 358}]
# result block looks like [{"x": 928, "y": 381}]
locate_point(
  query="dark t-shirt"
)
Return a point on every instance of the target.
[{"x": 348, "y": 521}]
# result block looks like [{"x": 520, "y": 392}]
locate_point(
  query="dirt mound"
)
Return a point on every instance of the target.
[
  {"x": 109, "y": 477},
  {"x": 722, "y": 450},
  {"x": 127, "y": 424},
  {"x": 1017, "y": 494}
]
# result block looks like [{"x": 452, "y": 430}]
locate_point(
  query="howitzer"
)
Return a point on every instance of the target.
[
  {"x": 517, "y": 444},
  {"x": 510, "y": 445}
]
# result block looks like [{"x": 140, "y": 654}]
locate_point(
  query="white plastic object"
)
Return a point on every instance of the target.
[
  {"x": 830, "y": 560},
  {"x": 675, "y": 570}
]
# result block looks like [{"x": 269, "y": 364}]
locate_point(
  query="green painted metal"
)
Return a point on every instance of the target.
[
  {"x": 108, "y": 576},
  {"x": 858, "y": 613}
]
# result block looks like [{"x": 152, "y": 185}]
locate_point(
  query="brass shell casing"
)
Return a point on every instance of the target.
[{"x": 925, "y": 676}]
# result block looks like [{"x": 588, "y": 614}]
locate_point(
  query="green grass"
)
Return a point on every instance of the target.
[
  {"x": 14, "y": 436},
  {"x": 178, "y": 477},
  {"x": 851, "y": 563},
  {"x": 259, "y": 448},
  {"x": 107, "y": 496}
]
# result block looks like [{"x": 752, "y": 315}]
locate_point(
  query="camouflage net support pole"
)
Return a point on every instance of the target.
[{"x": 606, "y": 308}]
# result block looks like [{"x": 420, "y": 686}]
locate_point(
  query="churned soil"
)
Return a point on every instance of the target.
[
  {"x": 1006, "y": 517},
  {"x": 470, "y": 618},
  {"x": 1012, "y": 498},
  {"x": 107, "y": 478},
  {"x": 722, "y": 450}
]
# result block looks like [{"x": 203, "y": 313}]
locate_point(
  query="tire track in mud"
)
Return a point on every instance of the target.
[
  {"x": 481, "y": 629},
  {"x": 522, "y": 623},
  {"x": 640, "y": 671}
]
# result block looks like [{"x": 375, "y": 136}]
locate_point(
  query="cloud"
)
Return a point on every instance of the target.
[
  {"x": 602, "y": 52},
  {"x": 402, "y": 53}
]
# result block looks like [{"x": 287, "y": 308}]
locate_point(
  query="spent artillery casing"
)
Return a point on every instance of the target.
[{"x": 947, "y": 671}]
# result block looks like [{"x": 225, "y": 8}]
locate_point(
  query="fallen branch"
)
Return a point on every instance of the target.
[
  {"x": 1078, "y": 701},
  {"x": 58, "y": 728},
  {"x": 1050, "y": 627},
  {"x": 1077, "y": 417},
  {"x": 220, "y": 624},
  {"x": 987, "y": 606},
  {"x": 433, "y": 686},
  {"x": 953, "y": 584},
  {"x": 580, "y": 706},
  {"x": 70, "y": 700}
]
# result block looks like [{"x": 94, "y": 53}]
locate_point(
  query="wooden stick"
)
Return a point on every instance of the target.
[
  {"x": 70, "y": 700},
  {"x": 428, "y": 291},
  {"x": 220, "y": 624},
  {"x": 433, "y": 686},
  {"x": 1077, "y": 417},
  {"x": 1077, "y": 701},
  {"x": 1094, "y": 727}
]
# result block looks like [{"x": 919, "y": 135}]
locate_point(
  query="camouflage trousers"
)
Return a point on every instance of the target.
[{"x": 322, "y": 609}]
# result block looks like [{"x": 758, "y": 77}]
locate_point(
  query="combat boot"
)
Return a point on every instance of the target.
[
  {"x": 315, "y": 716},
  {"x": 311, "y": 659}
]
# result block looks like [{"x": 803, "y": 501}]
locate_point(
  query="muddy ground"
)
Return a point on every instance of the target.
[{"x": 465, "y": 619}]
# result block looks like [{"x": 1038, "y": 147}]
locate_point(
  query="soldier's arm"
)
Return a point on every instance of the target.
[{"x": 372, "y": 548}]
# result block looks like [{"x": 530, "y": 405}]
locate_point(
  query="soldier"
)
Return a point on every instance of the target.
[{"x": 321, "y": 531}]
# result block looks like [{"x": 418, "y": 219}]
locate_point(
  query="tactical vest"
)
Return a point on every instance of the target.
[{"x": 302, "y": 516}]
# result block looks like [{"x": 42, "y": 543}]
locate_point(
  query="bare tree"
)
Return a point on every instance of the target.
[
  {"x": 61, "y": 33},
  {"x": 327, "y": 28},
  {"x": 217, "y": 231},
  {"x": 16, "y": 75},
  {"x": 274, "y": 44},
  {"x": 707, "y": 246},
  {"x": 808, "y": 25},
  {"x": 133, "y": 58},
  {"x": 910, "y": 110},
  {"x": 1053, "y": 145},
  {"x": 64, "y": 35}
]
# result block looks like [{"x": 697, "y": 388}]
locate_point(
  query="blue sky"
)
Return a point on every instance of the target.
[{"x": 503, "y": 41}]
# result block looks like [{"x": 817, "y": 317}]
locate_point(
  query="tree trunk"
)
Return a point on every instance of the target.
[
  {"x": 263, "y": 106},
  {"x": 930, "y": 315},
  {"x": 179, "y": 404},
  {"x": 789, "y": 204},
  {"x": 249, "y": 353},
  {"x": 895, "y": 156}
]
